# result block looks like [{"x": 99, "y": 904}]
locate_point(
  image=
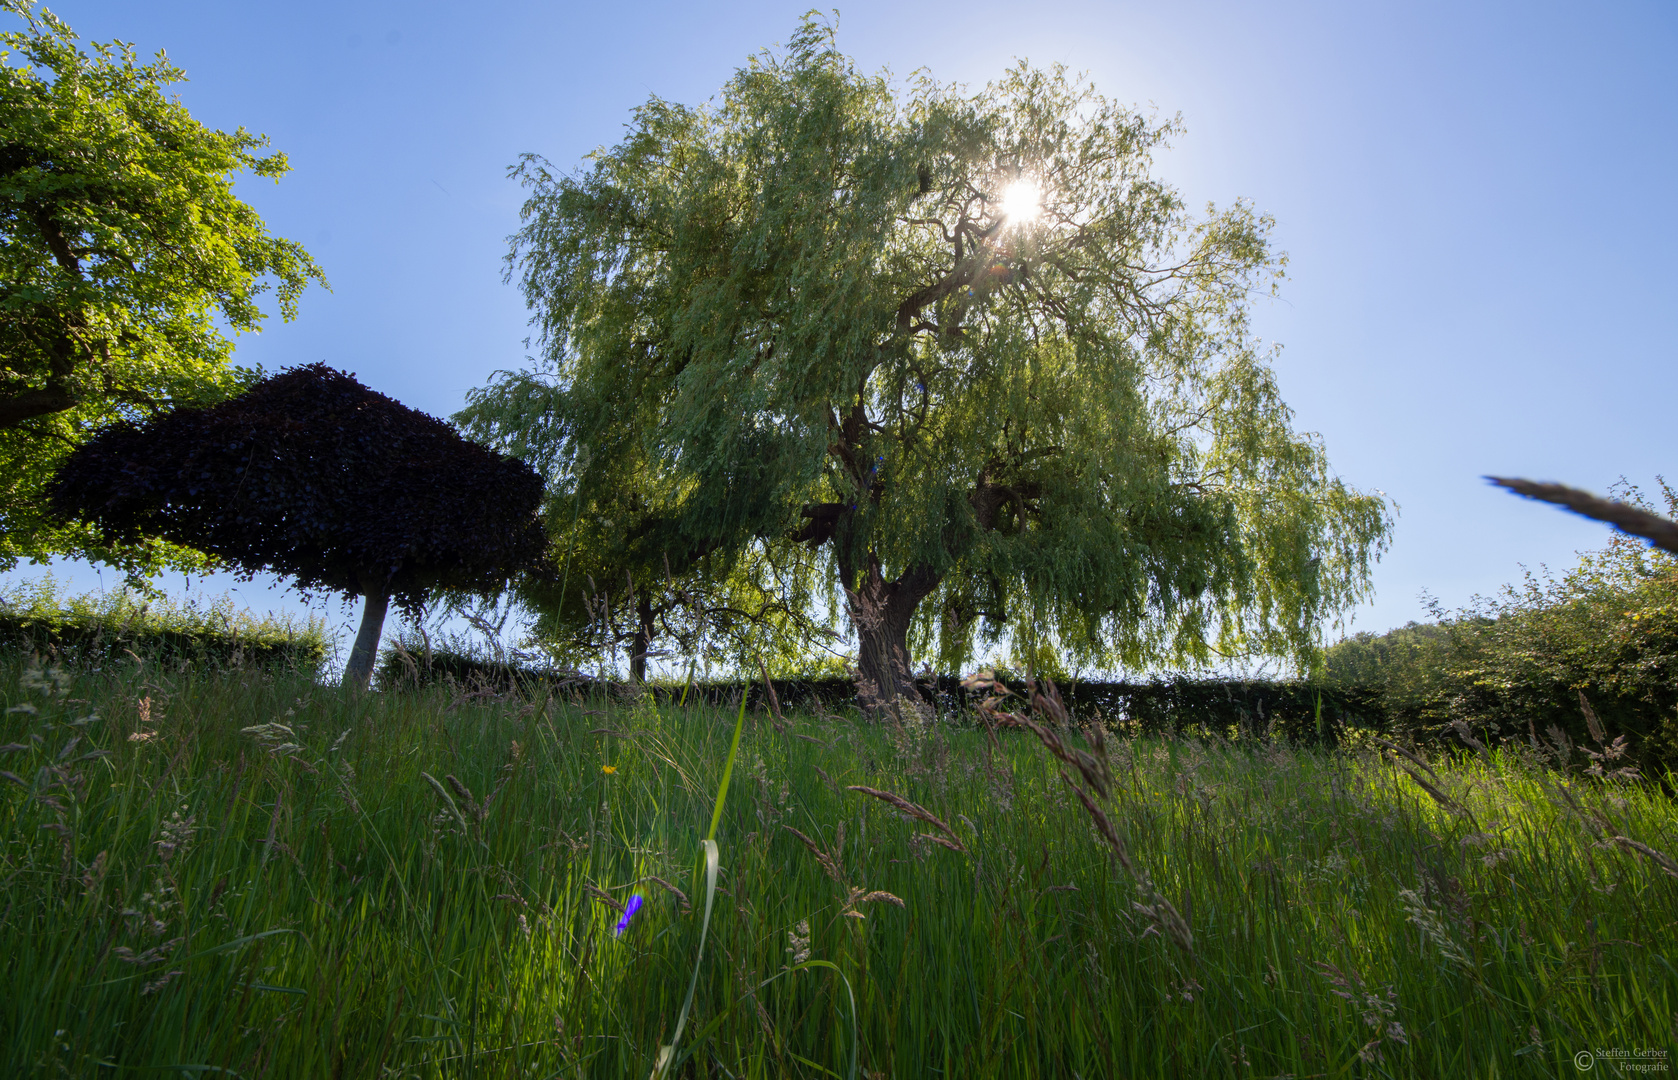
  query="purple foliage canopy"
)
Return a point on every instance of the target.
[{"x": 312, "y": 475}]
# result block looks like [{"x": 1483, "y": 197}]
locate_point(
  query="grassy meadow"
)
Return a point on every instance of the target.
[{"x": 235, "y": 874}]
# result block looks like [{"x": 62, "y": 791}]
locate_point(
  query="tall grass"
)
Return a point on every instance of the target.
[{"x": 245, "y": 874}]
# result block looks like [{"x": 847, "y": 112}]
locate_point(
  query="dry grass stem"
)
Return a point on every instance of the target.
[
  {"x": 1102, "y": 824},
  {"x": 1660, "y": 531},
  {"x": 1408, "y": 756},
  {"x": 681, "y": 897},
  {"x": 604, "y": 897},
  {"x": 828, "y": 863},
  {"x": 1664, "y": 861},
  {"x": 913, "y": 810}
]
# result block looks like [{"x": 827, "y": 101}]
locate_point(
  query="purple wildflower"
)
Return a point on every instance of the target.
[{"x": 629, "y": 911}]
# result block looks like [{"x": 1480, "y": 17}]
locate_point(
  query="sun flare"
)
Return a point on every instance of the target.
[{"x": 1022, "y": 201}]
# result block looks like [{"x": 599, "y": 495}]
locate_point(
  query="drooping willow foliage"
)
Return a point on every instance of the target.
[{"x": 965, "y": 349}]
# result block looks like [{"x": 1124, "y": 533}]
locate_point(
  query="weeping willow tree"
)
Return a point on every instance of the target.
[{"x": 961, "y": 358}]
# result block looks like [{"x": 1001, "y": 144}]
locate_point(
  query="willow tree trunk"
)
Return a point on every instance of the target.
[
  {"x": 359, "y": 671},
  {"x": 881, "y": 611},
  {"x": 644, "y": 633}
]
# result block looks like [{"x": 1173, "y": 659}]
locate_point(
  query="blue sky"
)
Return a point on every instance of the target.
[{"x": 1477, "y": 201}]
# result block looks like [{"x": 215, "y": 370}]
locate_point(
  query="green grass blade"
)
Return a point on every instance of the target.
[
  {"x": 666, "y": 1053},
  {"x": 709, "y": 847},
  {"x": 728, "y": 769}
]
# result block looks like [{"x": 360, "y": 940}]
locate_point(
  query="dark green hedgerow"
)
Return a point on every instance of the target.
[{"x": 1296, "y": 709}]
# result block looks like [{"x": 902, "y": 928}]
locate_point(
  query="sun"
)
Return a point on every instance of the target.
[{"x": 1022, "y": 201}]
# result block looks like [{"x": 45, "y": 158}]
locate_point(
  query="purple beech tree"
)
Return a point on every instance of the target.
[{"x": 313, "y": 476}]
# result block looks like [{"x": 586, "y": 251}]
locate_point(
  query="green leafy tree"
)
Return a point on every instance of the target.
[
  {"x": 760, "y": 611},
  {"x": 123, "y": 247},
  {"x": 964, "y": 350}
]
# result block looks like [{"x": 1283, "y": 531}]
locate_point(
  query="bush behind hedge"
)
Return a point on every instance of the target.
[{"x": 1515, "y": 666}]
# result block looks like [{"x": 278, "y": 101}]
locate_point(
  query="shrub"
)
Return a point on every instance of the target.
[{"x": 1516, "y": 665}]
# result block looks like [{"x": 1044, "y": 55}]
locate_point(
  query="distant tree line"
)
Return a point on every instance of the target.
[{"x": 1524, "y": 665}]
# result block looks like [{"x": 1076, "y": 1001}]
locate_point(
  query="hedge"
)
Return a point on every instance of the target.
[{"x": 96, "y": 628}]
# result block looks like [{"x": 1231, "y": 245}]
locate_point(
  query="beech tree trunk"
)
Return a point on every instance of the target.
[
  {"x": 881, "y": 611},
  {"x": 359, "y": 671}
]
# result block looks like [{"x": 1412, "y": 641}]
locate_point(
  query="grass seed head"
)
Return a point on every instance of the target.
[
  {"x": 950, "y": 839},
  {"x": 798, "y": 942},
  {"x": 828, "y": 863}
]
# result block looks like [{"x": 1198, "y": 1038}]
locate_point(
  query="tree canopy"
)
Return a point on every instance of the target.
[
  {"x": 312, "y": 475},
  {"x": 125, "y": 256},
  {"x": 961, "y": 357}
]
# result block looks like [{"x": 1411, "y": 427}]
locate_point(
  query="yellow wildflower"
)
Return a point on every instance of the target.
[{"x": 608, "y": 769}]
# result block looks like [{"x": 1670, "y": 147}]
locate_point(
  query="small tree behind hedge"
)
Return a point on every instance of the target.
[{"x": 314, "y": 476}]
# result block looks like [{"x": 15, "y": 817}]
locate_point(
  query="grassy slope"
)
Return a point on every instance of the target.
[{"x": 324, "y": 911}]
